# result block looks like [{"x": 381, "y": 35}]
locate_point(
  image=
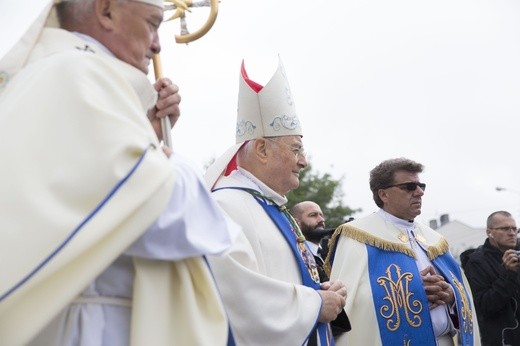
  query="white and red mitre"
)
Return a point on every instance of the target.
[{"x": 263, "y": 111}]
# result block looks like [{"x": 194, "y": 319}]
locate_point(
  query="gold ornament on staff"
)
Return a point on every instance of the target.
[{"x": 181, "y": 7}]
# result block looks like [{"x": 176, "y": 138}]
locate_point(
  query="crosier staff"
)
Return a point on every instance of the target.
[{"x": 180, "y": 7}]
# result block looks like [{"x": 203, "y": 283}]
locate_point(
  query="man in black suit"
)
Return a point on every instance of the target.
[{"x": 310, "y": 219}]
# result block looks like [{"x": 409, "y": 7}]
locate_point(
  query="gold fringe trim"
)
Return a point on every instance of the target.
[
  {"x": 369, "y": 239},
  {"x": 361, "y": 236},
  {"x": 438, "y": 249}
]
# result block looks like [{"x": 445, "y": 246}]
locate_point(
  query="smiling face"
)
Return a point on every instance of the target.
[
  {"x": 400, "y": 202},
  {"x": 134, "y": 38},
  {"x": 285, "y": 160}
]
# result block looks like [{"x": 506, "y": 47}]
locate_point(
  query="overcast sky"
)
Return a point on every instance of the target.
[{"x": 434, "y": 81}]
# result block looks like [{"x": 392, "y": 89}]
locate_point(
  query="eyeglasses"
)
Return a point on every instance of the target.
[
  {"x": 411, "y": 186},
  {"x": 298, "y": 152},
  {"x": 506, "y": 229}
]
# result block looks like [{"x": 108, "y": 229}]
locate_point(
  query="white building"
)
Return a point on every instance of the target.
[{"x": 459, "y": 235}]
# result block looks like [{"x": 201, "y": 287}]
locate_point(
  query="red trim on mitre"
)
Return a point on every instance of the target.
[
  {"x": 253, "y": 85},
  {"x": 232, "y": 165}
]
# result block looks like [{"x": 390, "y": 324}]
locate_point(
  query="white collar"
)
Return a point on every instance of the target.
[
  {"x": 256, "y": 184},
  {"x": 399, "y": 223}
]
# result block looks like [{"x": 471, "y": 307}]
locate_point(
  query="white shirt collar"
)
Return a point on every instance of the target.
[
  {"x": 399, "y": 223},
  {"x": 254, "y": 183}
]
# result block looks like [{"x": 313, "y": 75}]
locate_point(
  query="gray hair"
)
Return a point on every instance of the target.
[{"x": 73, "y": 11}]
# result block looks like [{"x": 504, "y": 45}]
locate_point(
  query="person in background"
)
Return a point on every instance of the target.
[
  {"x": 102, "y": 232},
  {"x": 269, "y": 280},
  {"x": 310, "y": 219},
  {"x": 400, "y": 276},
  {"x": 493, "y": 274}
]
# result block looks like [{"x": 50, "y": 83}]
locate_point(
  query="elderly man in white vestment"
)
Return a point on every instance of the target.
[
  {"x": 405, "y": 287},
  {"x": 102, "y": 235},
  {"x": 269, "y": 280}
]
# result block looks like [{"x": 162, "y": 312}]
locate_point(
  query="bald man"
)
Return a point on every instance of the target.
[{"x": 310, "y": 218}]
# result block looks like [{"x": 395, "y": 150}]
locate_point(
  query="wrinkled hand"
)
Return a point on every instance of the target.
[
  {"x": 334, "y": 295},
  {"x": 335, "y": 286},
  {"x": 167, "y": 104},
  {"x": 511, "y": 260},
  {"x": 438, "y": 291}
]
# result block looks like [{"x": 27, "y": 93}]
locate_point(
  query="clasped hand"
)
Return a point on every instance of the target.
[
  {"x": 438, "y": 291},
  {"x": 333, "y": 295}
]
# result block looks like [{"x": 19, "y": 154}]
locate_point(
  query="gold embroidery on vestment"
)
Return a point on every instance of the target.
[
  {"x": 399, "y": 299},
  {"x": 467, "y": 317},
  {"x": 420, "y": 238},
  {"x": 402, "y": 237},
  {"x": 433, "y": 251}
]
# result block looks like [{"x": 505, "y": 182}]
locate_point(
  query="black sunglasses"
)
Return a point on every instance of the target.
[{"x": 411, "y": 186}]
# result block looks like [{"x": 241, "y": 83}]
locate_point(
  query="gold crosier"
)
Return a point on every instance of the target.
[{"x": 181, "y": 7}]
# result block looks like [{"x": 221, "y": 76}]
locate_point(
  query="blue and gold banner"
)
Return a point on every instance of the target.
[
  {"x": 399, "y": 299},
  {"x": 401, "y": 303}
]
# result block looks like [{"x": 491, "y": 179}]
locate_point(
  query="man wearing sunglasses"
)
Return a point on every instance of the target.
[
  {"x": 492, "y": 272},
  {"x": 399, "y": 273}
]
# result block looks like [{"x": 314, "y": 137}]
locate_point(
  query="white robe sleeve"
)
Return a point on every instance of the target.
[{"x": 192, "y": 223}]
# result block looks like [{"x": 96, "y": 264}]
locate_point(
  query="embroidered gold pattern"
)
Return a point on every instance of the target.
[
  {"x": 399, "y": 299},
  {"x": 420, "y": 238},
  {"x": 347, "y": 230},
  {"x": 467, "y": 317},
  {"x": 402, "y": 237}
]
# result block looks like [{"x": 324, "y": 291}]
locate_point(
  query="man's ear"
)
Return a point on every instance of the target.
[
  {"x": 382, "y": 194},
  {"x": 260, "y": 147},
  {"x": 103, "y": 12}
]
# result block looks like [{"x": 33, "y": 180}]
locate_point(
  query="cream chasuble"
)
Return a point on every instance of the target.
[
  {"x": 83, "y": 177},
  {"x": 259, "y": 278}
]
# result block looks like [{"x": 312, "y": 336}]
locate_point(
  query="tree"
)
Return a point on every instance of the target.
[{"x": 326, "y": 192}]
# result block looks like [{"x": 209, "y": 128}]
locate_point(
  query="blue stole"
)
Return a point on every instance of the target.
[
  {"x": 452, "y": 273},
  {"x": 400, "y": 300},
  {"x": 283, "y": 223}
]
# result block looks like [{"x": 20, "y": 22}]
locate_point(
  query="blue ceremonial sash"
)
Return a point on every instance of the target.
[
  {"x": 284, "y": 225},
  {"x": 452, "y": 273},
  {"x": 399, "y": 298}
]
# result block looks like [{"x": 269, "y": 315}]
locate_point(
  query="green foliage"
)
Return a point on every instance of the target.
[{"x": 326, "y": 192}]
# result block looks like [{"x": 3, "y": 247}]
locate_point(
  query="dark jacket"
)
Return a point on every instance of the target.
[
  {"x": 496, "y": 294},
  {"x": 341, "y": 324}
]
